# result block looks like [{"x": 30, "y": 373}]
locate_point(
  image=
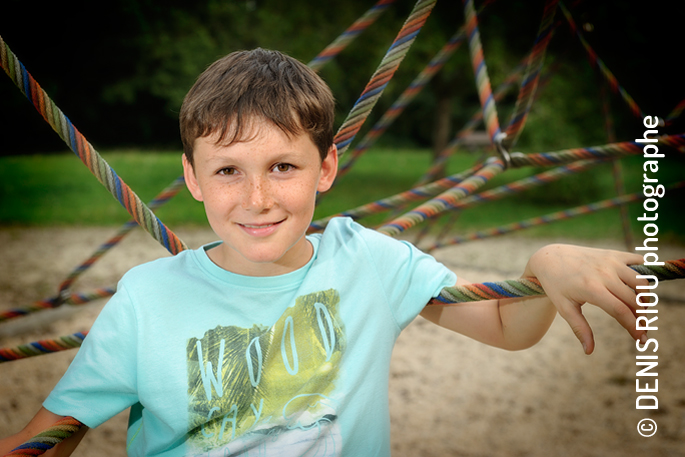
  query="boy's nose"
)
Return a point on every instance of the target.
[{"x": 258, "y": 197}]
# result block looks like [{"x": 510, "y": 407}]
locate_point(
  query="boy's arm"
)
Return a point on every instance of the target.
[
  {"x": 511, "y": 324},
  {"x": 571, "y": 276},
  {"x": 40, "y": 422}
]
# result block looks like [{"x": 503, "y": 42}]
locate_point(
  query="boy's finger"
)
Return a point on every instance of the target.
[
  {"x": 617, "y": 308},
  {"x": 625, "y": 294},
  {"x": 630, "y": 278},
  {"x": 575, "y": 319}
]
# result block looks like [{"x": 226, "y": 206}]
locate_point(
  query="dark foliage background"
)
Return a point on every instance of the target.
[{"x": 120, "y": 68}]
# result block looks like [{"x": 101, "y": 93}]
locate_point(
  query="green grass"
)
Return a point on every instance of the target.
[{"x": 58, "y": 189}]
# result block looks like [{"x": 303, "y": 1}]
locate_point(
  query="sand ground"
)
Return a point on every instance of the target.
[{"x": 449, "y": 396}]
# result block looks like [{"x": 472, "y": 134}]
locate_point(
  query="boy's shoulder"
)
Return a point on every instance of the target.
[
  {"x": 343, "y": 232},
  {"x": 165, "y": 268}
]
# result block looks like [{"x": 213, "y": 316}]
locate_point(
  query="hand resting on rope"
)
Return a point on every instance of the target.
[{"x": 571, "y": 276}]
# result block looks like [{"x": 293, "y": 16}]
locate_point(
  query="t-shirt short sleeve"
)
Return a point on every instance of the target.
[
  {"x": 101, "y": 381},
  {"x": 409, "y": 277}
]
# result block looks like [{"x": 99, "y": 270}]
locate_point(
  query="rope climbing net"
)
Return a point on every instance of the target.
[{"x": 452, "y": 193}]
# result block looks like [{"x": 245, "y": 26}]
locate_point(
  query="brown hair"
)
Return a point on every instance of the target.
[{"x": 245, "y": 86}]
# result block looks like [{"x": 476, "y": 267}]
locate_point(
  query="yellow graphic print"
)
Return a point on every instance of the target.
[{"x": 266, "y": 381}]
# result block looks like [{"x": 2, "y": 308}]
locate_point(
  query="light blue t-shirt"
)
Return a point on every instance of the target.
[{"x": 215, "y": 364}]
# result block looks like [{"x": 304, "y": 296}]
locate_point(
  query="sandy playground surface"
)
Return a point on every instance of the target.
[{"x": 449, "y": 396}]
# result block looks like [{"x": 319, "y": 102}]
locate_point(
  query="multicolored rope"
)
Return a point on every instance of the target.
[
  {"x": 526, "y": 287},
  {"x": 671, "y": 269},
  {"x": 499, "y": 192},
  {"x": 599, "y": 63},
  {"x": 79, "y": 298},
  {"x": 46, "y": 440},
  {"x": 530, "y": 80},
  {"x": 480, "y": 71},
  {"x": 443, "y": 201},
  {"x": 403, "y": 100},
  {"x": 349, "y": 35},
  {"x": 65, "y": 297},
  {"x": 42, "y": 347},
  {"x": 163, "y": 197},
  {"x": 85, "y": 151},
  {"x": 398, "y": 200},
  {"x": 546, "y": 219},
  {"x": 438, "y": 164},
  {"x": 385, "y": 71},
  {"x": 613, "y": 150},
  {"x": 510, "y": 288}
]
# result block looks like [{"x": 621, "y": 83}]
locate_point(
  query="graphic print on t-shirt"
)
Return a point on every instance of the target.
[{"x": 265, "y": 388}]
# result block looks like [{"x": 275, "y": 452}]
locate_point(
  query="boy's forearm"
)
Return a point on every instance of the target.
[
  {"x": 525, "y": 320},
  {"x": 511, "y": 324}
]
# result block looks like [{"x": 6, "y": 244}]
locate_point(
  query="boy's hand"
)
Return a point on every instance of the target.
[{"x": 573, "y": 276}]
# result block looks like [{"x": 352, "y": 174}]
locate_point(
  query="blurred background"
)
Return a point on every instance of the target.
[{"x": 120, "y": 68}]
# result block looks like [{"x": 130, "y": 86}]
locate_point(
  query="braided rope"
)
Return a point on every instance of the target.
[
  {"x": 530, "y": 80},
  {"x": 596, "y": 61},
  {"x": 517, "y": 160},
  {"x": 64, "y": 296},
  {"x": 672, "y": 269},
  {"x": 349, "y": 35},
  {"x": 480, "y": 71},
  {"x": 41, "y": 347},
  {"x": 403, "y": 100},
  {"x": 547, "y": 218},
  {"x": 597, "y": 152},
  {"x": 468, "y": 128},
  {"x": 46, "y": 440},
  {"x": 163, "y": 197},
  {"x": 567, "y": 156},
  {"x": 526, "y": 287},
  {"x": 443, "y": 201},
  {"x": 432, "y": 189},
  {"x": 85, "y": 151},
  {"x": 385, "y": 71},
  {"x": 398, "y": 200},
  {"x": 49, "y": 303},
  {"x": 502, "y": 191},
  {"x": 526, "y": 183}
]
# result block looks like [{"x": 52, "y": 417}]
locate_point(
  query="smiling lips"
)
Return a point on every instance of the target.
[{"x": 260, "y": 229}]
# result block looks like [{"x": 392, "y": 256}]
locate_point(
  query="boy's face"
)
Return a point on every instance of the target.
[{"x": 259, "y": 196}]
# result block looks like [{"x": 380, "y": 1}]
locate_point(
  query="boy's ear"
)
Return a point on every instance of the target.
[
  {"x": 191, "y": 179},
  {"x": 329, "y": 169}
]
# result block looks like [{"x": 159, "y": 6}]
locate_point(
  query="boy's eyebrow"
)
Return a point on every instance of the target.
[{"x": 285, "y": 155}]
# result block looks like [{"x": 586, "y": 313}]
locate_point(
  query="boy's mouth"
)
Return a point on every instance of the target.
[
  {"x": 260, "y": 229},
  {"x": 258, "y": 226}
]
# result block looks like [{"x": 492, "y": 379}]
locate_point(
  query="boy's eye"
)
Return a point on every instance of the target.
[
  {"x": 227, "y": 171},
  {"x": 283, "y": 167}
]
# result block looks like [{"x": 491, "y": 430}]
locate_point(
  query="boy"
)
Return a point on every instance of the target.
[{"x": 269, "y": 342}]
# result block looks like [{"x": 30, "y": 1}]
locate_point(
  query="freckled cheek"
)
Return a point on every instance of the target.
[
  {"x": 301, "y": 195},
  {"x": 219, "y": 201}
]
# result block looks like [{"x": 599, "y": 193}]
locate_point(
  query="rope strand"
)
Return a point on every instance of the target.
[
  {"x": 85, "y": 151},
  {"x": 46, "y": 440},
  {"x": 391, "y": 61}
]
